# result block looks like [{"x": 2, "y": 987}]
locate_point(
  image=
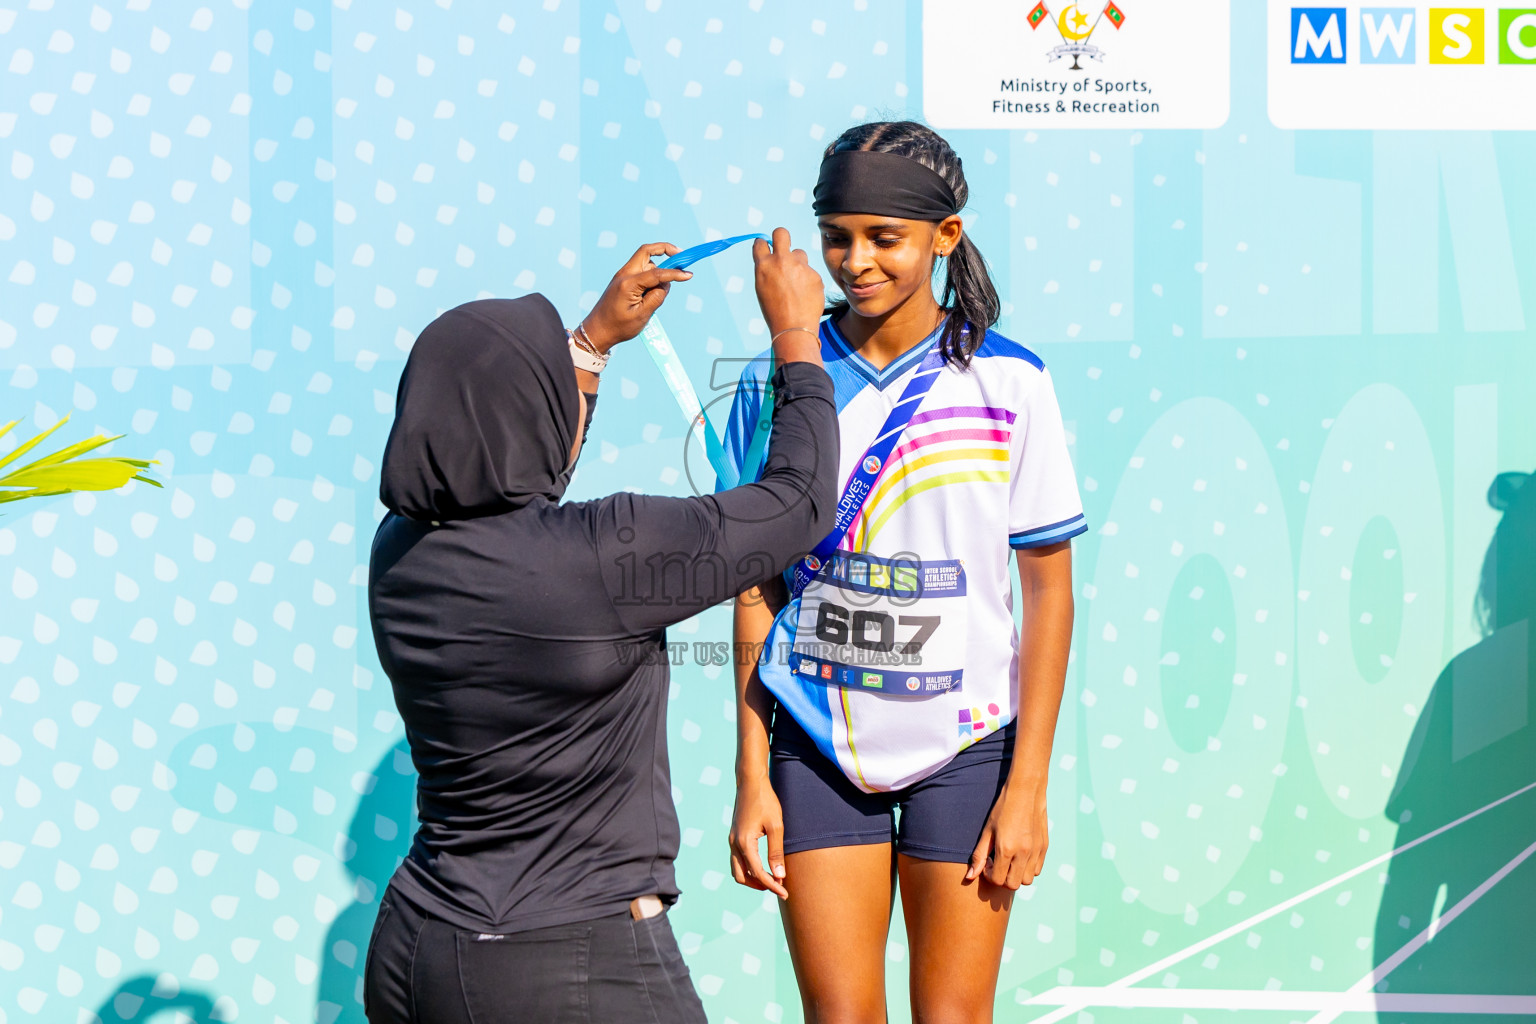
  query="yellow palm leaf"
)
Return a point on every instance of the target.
[
  {"x": 78, "y": 448},
  {"x": 26, "y": 446},
  {"x": 63, "y": 471}
]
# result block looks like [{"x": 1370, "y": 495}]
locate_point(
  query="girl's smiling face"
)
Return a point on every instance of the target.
[{"x": 881, "y": 262}]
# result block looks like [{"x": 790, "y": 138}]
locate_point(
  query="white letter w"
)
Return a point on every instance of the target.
[{"x": 1389, "y": 28}]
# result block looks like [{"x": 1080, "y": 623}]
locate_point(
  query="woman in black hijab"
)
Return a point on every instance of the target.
[{"x": 525, "y": 642}]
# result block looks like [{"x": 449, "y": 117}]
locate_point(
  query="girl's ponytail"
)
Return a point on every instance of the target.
[{"x": 969, "y": 299}]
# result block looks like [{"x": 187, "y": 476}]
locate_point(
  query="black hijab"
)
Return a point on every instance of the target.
[{"x": 485, "y": 415}]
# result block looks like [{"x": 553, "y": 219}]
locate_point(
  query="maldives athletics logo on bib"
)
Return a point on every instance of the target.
[{"x": 872, "y": 464}]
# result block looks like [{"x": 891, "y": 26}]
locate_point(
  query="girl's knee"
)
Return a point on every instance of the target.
[
  {"x": 848, "y": 1008},
  {"x": 952, "y": 1008}
]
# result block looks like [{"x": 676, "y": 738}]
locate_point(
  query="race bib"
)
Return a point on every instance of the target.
[{"x": 895, "y": 626}]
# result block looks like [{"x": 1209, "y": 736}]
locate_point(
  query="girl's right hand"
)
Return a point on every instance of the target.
[{"x": 758, "y": 814}]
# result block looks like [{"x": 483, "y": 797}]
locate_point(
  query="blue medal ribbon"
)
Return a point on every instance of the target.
[
  {"x": 859, "y": 485},
  {"x": 688, "y": 257},
  {"x": 664, "y": 355},
  {"x": 757, "y": 449}
]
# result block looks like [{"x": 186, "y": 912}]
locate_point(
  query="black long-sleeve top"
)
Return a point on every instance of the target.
[{"x": 527, "y": 655}]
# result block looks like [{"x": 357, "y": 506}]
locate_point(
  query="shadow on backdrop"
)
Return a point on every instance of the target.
[
  {"x": 378, "y": 838},
  {"x": 1457, "y": 911},
  {"x": 143, "y": 998},
  {"x": 290, "y": 770}
]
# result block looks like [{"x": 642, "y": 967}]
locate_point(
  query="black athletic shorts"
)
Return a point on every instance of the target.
[{"x": 941, "y": 816}]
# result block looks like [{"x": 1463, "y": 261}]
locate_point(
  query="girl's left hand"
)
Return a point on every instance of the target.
[{"x": 1011, "y": 851}]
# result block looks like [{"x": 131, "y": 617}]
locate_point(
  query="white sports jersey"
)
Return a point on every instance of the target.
[{"x": 903, "y": 651}]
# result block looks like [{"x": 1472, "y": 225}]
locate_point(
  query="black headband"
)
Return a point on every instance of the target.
[{"x": 888, "y": 184}]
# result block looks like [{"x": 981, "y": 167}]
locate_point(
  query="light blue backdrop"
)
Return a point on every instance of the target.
[{"x": 1286, "y": 360}]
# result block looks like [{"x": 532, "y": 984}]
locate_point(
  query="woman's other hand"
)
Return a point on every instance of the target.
[
  {"x": 1011, "y": 851},
  {"x": 791, "y": 296},
  {"x": 758, "y": 814},
  {"x": 635, "y": 292}
]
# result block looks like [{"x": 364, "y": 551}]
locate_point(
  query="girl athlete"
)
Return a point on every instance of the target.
[{"x": 891, "y": 675}]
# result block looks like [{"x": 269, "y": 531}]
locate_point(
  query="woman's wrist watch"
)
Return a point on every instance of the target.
[{"x": 584, "y": 354}]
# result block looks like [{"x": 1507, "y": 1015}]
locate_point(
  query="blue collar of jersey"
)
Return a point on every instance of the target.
[{"x": 881, "y": 378}]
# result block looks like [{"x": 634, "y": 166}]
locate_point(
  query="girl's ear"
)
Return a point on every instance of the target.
[{"x": 947, "y": 235}]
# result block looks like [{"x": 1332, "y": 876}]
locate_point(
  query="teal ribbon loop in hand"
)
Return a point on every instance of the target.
[{"x": 665, "y": 356}]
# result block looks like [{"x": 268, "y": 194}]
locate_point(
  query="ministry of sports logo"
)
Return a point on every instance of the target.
[{"x": 1075, "y": 30}]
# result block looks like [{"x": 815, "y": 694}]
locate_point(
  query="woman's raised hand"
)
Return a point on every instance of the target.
[
  {"x": 788, "y": 290},
  {"x": 635, "y": 292}
]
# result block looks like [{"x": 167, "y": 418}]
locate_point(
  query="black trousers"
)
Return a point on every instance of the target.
[{"x": 421, "y": 970}]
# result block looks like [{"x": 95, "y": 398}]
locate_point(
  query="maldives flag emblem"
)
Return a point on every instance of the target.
[
  {"x": 1037, "y": 14},
  {"x": 1115, "y": 15}
]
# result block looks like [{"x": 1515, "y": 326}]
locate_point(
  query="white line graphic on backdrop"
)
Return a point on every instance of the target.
[
  {"x": 1391, "y": 963},
  {"x": 1066, "y": 1008},
  {"x": 1329, "y": 1005},
  {"x": 1257, "y": 999}
]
